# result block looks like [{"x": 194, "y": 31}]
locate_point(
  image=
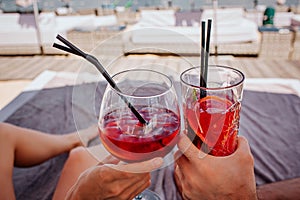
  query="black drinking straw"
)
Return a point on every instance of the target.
[
  {"x": 204, "y": 56},
  {"x": 202, "y": 81},
  {"x": 207, "y": 49},
  {"x": 58, "y": 46},
  {"x": 74, "y": 50}
]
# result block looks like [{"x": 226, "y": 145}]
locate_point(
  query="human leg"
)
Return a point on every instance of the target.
[
  {"x": 25, "y": 147},
  {"x": 34, "y": 147},
  {"x": 7, "y": 143},
  {"x": 78, "y": 161}
]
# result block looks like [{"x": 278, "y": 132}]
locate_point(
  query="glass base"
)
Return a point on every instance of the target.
[{"x": 147, "y": 195}]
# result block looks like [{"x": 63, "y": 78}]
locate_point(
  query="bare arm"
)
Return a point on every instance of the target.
[{"x": 288, "y": 189}]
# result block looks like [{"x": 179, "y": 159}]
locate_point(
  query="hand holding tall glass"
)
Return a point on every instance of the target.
[
  {"x": 152, "y": 94},
  {"x": 211, "y": 113}
]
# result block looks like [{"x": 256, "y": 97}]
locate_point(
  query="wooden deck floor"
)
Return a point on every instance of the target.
[
  {"x": 23, "y": 69},
  {"x": 28, "y": 67}
]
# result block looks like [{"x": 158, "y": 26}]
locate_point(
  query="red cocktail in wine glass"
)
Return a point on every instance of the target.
[{"x": 153, "y": 96}]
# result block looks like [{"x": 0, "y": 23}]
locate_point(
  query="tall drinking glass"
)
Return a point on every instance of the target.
[
  {"x": 152, "y": 94},
  {"x": 211, "y": 113}
]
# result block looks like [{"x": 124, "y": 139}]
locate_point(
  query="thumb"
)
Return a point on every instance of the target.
[
  {"x": 140, "y": 167},
  {"x": 109, "y": 160},
  {"x": 188, "y": 149},
  {"x": 243, "y": 151},
  {"x": 243, "y": 145}
]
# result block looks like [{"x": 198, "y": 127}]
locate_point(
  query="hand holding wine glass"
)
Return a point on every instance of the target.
[
  {"x": 108, "y": 180},
  {"x": 139, "y": 115}
]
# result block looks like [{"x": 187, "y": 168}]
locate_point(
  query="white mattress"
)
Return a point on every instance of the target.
[
  {"x": 61, "y": 25},
  {"x": 157, "y": 18},
  {"x": 232, "y": 27},
  {"x": 245, "y": 32},
  {"x": 15, "y": 37},
  {"x": 97, "y": 21},
  {"x": 12, "y": 33}
]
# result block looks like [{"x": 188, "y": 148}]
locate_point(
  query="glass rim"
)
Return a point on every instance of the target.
[
  {"x": 214, "y": 88},
  {"x": 170, "y": 85}
]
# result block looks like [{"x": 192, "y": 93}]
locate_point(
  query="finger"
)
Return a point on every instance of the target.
[
  {"x": 178, "y": 178},
  {"x": 141, "y": 187},
  {"x": 128, "y": 185},
  {"x": 188, "y": 149},
  {"x": 109, "y": 160},
  {"x": 184, "y": 165},
  {"x": 178, "y": 173},
  {"x": 243, "y": 152},
  {"x": 243, "y": 145},
  {"x": 141, "y": 167},
  {"x": 180, "y": 159},
  {"x": 185, "y": 197},
  {"x": 177, "y": 155},
  {"x": 112, "y": 173}
]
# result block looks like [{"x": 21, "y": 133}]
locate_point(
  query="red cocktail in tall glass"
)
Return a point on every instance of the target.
[{"x": 212, "y": 113}]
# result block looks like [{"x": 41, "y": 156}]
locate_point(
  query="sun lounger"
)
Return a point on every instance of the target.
[
  {"x": 276, "y": 42},
  {"x": 16, "y": 38},
  {"x": 19, "y": 36},
  {"x": 235, "y": 34}
]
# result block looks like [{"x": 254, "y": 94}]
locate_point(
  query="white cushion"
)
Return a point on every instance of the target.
[
  {"x": 9, "y": 19},
  {"x": 225, "y": 16},
  {"x": 108, "y": 20},
  {"x": 67, "y": 23},
  {"x": 283, "y": 18},
  {"x": 47, "y": 19},
  {"x": 245, "y": 32},
  {"x": 17, "y": 37},
  {"x": 157, "y": 18}
]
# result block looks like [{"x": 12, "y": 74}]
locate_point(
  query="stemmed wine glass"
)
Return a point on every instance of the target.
[{"x": 153, "y": 96}]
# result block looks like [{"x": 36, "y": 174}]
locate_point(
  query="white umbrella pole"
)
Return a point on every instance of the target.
[{"x": 38, "y": 31}]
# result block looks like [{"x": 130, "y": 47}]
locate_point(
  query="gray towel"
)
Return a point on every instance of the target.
[{"x": 270, "y": 121}]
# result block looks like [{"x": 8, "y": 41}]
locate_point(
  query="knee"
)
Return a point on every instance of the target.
[
  {"x": 5, "y": 133},
  {"x": 2, "y": 128},
  {"x": 79, "y": 154},
  {"x": 81, "y": 158}
]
